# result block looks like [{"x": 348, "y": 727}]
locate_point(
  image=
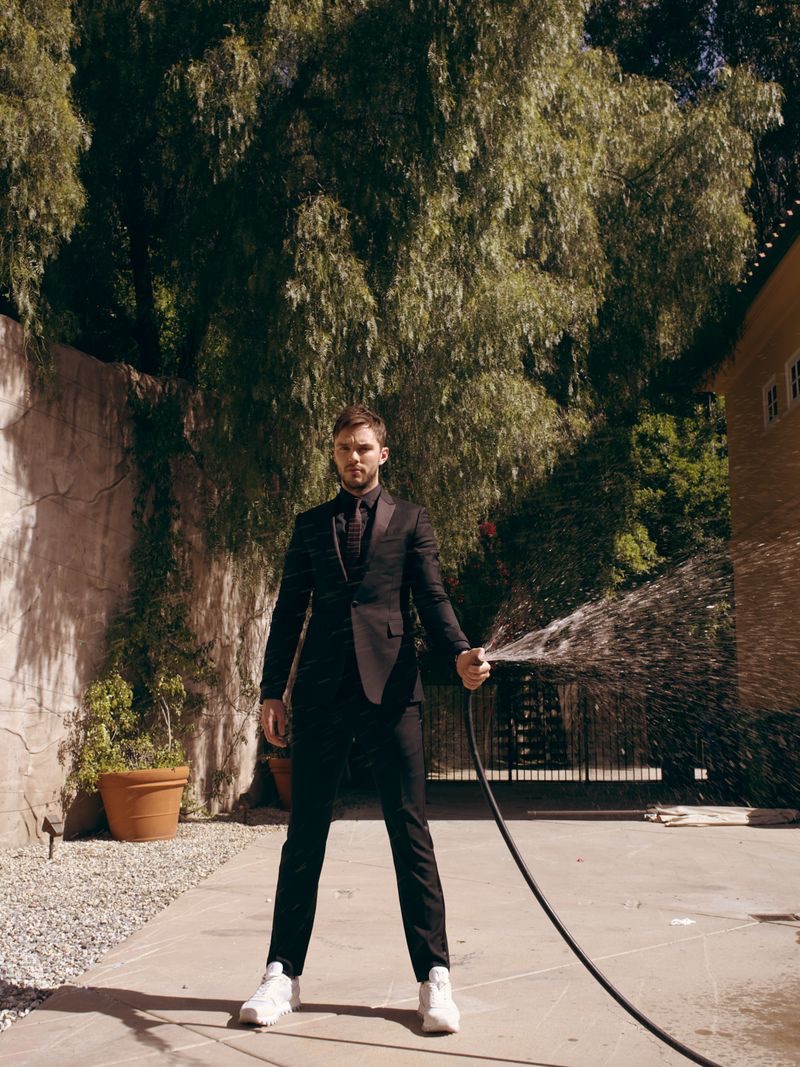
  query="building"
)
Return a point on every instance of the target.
[{"x": 761, "y": 385}]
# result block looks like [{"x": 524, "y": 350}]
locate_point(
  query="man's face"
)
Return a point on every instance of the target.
[{"x": 358, "y": 457}]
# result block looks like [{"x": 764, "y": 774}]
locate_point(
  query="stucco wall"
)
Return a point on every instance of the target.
[{"x": 66, "y": 491}]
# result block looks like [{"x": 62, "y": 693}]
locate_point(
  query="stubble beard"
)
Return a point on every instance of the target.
[{"x": 359, "y": 484}]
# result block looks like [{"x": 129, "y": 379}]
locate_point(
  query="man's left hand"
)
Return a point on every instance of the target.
[{"x": 473, "y": 668}]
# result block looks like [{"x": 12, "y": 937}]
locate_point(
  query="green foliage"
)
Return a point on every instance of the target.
[
  {"x": 151, "y": 641},
  {"x": 109, "y": 735},
  {"x": 635, "y": 555},
  {"x": 670, "y": 497},
  {"x": 680, "y": 473},
  {"x": 481, "y": 586},
  {"x": 138, "y": 711},
  {"x": 684, "y": 42},
  {"x": 456, "y": 212},
  {"x": 627, "y": 505},
  {"x": 41, "y": 137},
  {"x": 461, "y": 213}
]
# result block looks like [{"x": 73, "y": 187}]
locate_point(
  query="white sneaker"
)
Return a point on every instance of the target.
[
  {"x": 277, "y": 995},
  {"x": 439, "y": 1013}
]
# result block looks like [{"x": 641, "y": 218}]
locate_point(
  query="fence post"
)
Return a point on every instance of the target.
[{"x": 585, "y": 727}]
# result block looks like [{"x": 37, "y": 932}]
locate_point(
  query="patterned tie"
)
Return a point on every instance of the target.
[{"x": 352, "y": 546}]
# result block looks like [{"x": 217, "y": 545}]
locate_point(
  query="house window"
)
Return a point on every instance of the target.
[
  {"x": 793, "y": 378},
  {"x": 770, "y": 402}
]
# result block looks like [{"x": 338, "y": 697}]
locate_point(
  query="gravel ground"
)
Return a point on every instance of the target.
[{"x": 58, "y": 917}]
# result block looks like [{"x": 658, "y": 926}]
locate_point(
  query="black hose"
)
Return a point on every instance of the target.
[{"x": 641, "y": 1018}]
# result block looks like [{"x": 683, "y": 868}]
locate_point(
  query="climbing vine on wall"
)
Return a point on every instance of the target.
[
  {"x": 151, "y": 643},
  {"x": 152, "y": 639}
]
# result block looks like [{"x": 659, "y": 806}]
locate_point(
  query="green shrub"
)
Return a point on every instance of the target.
[{"x": 108, "y": 734}]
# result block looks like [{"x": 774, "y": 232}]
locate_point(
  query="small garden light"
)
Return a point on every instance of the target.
[{"x": 55, "y": 828}]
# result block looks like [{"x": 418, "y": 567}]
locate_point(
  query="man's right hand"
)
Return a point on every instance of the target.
[{"x": 273, "y": 720}]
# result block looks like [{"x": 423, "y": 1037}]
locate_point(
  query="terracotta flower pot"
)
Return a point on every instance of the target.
[
  {"x": 143, "y": 805},
  {"x": 281, "y": 771}
]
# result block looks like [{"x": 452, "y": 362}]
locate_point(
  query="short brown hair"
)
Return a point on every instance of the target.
[{"x": 358, "y": 415}]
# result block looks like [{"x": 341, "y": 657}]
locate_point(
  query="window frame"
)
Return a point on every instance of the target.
[
  {"x": 793, "y": 363},
  {"x": 767, "y": 402}
]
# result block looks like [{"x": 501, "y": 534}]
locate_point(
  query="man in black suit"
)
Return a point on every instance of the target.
[{"x": 358, "y": 559}]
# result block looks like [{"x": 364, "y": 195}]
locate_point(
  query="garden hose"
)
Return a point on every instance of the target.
[{"x": 639, "y": 1016}]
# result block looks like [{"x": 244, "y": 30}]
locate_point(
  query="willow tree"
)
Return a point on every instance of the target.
[
  {"x": 40, "y": 140},
  {"x": 453, "y": 210},
  {"x": 684, "y": 42}
]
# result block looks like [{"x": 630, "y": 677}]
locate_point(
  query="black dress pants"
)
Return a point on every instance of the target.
[{"x": 392, "y": 741}]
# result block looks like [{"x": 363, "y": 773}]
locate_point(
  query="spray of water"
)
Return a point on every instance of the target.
[
  {"x": 682, "y": 647},
  {"x": 674, "y": 631}
]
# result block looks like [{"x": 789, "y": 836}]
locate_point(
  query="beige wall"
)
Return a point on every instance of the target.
[
  {"x": 66, "y": 490},
  {"x": 765, "y": 493}
]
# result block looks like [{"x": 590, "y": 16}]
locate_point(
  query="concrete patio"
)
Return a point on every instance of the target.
[{"x": 728, "y": 984}]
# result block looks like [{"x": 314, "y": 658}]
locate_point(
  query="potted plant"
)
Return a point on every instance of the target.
[
  {"x": 280, "y": 767},
  {"x": 133, "y": 756},
  {"x": 279, "y": 761}
]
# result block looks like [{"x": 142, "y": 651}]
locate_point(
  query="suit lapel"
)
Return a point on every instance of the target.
[
  {"x": 384, "y": 509},
  {"x": 332, "y": 528}
]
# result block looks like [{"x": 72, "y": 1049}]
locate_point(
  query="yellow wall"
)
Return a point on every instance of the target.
[{"x": 765, "y": 493}]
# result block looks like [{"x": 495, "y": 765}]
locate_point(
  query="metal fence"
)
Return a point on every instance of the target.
[{"x": 531, "y": 729}]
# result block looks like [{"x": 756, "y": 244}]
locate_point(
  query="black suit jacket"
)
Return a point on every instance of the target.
[{"x": 371, "y": 612}]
